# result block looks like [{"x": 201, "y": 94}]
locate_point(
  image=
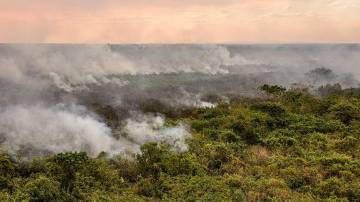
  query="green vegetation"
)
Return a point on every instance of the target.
[{"x": 289, "y": 146}]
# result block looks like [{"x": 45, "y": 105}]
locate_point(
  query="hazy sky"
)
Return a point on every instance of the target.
[{"x": 180, "y": 21}]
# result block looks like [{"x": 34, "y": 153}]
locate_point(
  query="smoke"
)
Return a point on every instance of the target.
[
  {"x": 294, "y": 61},
  {"x": 79, "y": 67},
  {"x": 71, "y": 66},
  {"x": 47, "y": 91},
  {"x": 40, "y": 130},
  {"x": 207, "y": 59},
  {"x": 42, "y": 85},
  {"x": 149, "y": 128},
  {"x": 54, "y": 129},
  {"x": 68, "y": 68},
  {"x": 189, "y": 99}
]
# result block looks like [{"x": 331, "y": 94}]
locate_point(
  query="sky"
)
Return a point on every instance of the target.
[{"x": 180, "y": 21}]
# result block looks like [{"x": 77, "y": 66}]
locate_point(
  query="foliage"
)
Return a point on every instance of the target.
[
  {"x": 272, "y": 89},
  {"x": 291, "y": 146}
]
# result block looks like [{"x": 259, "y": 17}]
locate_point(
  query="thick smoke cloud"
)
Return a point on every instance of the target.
[
  {"x": 39, "y": 130},
  {"x": 48, "y": 92},
  {"x": 74, "y": 65},
  {"x": 54, "y": 129},
  {"x": 68, "y": 68}
]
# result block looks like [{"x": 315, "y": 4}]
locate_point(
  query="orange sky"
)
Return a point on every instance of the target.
[{"x": 179, "y": 21}]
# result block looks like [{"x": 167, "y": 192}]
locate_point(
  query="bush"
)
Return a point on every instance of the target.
[
  {"x": 204, "y": 188},
  {"x": 43, "y": 188},
  {"x": 289, "y": 146},
  {"x": 272, "y": 109},
  {"x": 7, "y": 171},
  {"x": 66, "y": 165},
  {"x": 272, "y": 89},
  {"x": 345, "y": 111}
]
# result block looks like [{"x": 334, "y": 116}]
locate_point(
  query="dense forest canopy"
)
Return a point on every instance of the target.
[{"x": 288, "y": 145}]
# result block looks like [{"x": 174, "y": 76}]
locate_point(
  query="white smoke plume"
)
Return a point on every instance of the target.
[
  {"x": 72, "y": 128},
  {"x": 68, "y": 68},
  {"x": 192, "y": 100},
  {"x": 73, "y": 67},
  {"x": 54, "y": 129},
  {"x": 149, "y": 128}
]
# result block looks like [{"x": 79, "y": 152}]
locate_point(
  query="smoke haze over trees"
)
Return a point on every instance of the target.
[
  {"x": 179, "y": 122},
  {"x": 70, "y": 84}
]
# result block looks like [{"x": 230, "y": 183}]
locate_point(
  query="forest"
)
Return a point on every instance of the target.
[{"x": 287, "y": 145}]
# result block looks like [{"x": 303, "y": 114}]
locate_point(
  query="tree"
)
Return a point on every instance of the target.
[
  {"x": 42, "y": 189},
  {"x": 272, "y": 89},
  {"x": 345, "y": 111},
  {"x": 7, "y": 170},
  {"x": 66, "y": 165},
  {"x": 329, "y": 89},
  {"x": 150, "y": 159}
]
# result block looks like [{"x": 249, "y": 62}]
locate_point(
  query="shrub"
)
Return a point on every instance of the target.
[
  {"x": 43, "y": 188},
  {"x": 204, "y": 188},
  {"x": 7, "y": 171},
  {"x": 345, "y": 111},
  {"x": 272, "y": 89},
  {"x": 66, "y": 165}
]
